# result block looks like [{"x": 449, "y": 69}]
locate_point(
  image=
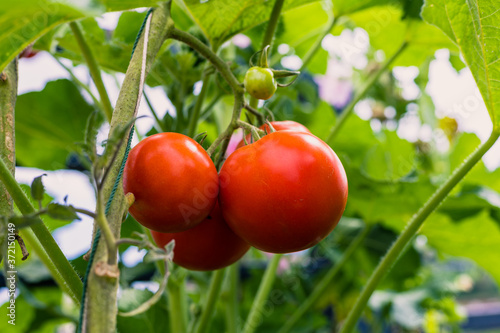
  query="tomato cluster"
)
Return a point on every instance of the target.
[{"x": 281, "y": 194}]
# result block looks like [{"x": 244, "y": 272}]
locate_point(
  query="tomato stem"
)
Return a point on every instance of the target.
[
  {"x": 369, "y": 83},
  {"x": 209, "y": 306},
  {"x": 195, "y": 114},
  {"x": 325, "y": 282},
  {"x": 272, "y": 23},
  {"x": 232, "y": 299},
  {"x": 94, "y": 70},
  {"x": 254, "y": 317},
  {"x": 177, "y": 309},
  {"x": 394, "y": 253}
]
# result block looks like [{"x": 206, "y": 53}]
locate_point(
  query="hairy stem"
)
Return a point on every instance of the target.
[
  {"x": 255, "y": 315},
  {"x": 101, "y": 311},
  {"x": 38, "y": 236},
  {"x": 323, "y": 284},
  {"x": 94, "y": 70},
  {"x": 8, "y": 95},
  {"x": 209, "y": 305},
  {"x": 411, "y": 229},
  {"x": 369, "y": 83}
]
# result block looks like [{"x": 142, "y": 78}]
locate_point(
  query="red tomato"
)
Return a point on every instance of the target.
[
  {"x": 284, "y": 193},
  {"x": 278, "y": 126},
  {"x": 174, "y": 182},
  {"x": 208, "y": 246}
]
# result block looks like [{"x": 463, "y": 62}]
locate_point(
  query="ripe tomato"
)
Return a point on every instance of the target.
[
  {"x": 260, "y": 83},
  {"x": 278, "y": 126},
  {"x": 208, "y": 246},
  {"x": 284, "y": 193},
  {"x": 174, "y": 182}
]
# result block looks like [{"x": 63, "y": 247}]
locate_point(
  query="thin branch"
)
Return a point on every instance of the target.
[
  {"x": 94, "y": 69},
  {"x": 24, "y": 250},
  {"x": 394, "y": 253},
  {"x": 260, "y": 116}
]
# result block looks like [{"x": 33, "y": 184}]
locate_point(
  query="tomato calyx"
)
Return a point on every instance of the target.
[{"x": 260, "y": 81}]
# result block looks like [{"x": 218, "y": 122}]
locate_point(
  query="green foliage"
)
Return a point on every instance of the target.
[
  {"x": 23, "y": 21},
  {"x": 153, "y": 320},
  {"x": 221, "y": 19},
  {"x": 473, "y": 27},
  {"x": 49, "y": 123}
]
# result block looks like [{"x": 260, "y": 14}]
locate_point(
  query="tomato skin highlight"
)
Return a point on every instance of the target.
[
  {"x": 284, "y": 193},
  {"x": 208, "y": 246},
  {"x": 174, "y": 182},
  {"x": 260, "y": 83}
]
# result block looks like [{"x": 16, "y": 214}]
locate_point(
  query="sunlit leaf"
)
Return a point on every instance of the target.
[
  {"x": 222, "y": 19},
  {"x": 474, "y": 26},
  {"x": 23, "y": 21}
]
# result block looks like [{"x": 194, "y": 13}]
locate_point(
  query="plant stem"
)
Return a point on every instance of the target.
[
  {"x": 255, "y": 315},
  {"x": 232, "y": 299},
  {"x": 94, "y": 70},
  {"x": 38, "y": 237},
  {"x": 209, "y": 306},
  {"x": 8, "y": 96},
  {"x": 267, "y": 40},
  {"x": 79, "y": 83},
  {"x": 195, "y": 114},
  {"x": 106, "y": 231},
  {"x": 369, "y": 83},
  {"x": 100, "y": 311},
  {"x": 41, "y": 240},
  {"x": 321, "y": 287},
  {"x": 272, "y": 23},
  {"x": 412, "y": 228},
  {"x": 211, "y": 56},
  {"x": 206, "y": 110},
  {"x": 155, "y": 115},
  {"x": 317, "y": 44},
  {"x": 178, "y": 324}
]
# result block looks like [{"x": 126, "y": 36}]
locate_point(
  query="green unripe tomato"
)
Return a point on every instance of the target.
[{"x": 260, "y": 82}]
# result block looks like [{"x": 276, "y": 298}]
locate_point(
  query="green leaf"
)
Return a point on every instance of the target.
[
  {"x": 390, "y": 159},
  {"x": 342, "y": 7},
  {"x": 221, "y": 19},
  {"x": 23, "y": 221},
  {"x": 24, "y": 21},
  {"x": 476, "y": 238},
  {"x": 470, "y": 201},
  {"x": 51, "y": 223},
  {"x": 62, "y": 212},
  {"x": 37, "y": 188},
  {"x": 474, "y": 26},
  {"x": 49, "y": 123},
  {"x": 151, "y": 321}
]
